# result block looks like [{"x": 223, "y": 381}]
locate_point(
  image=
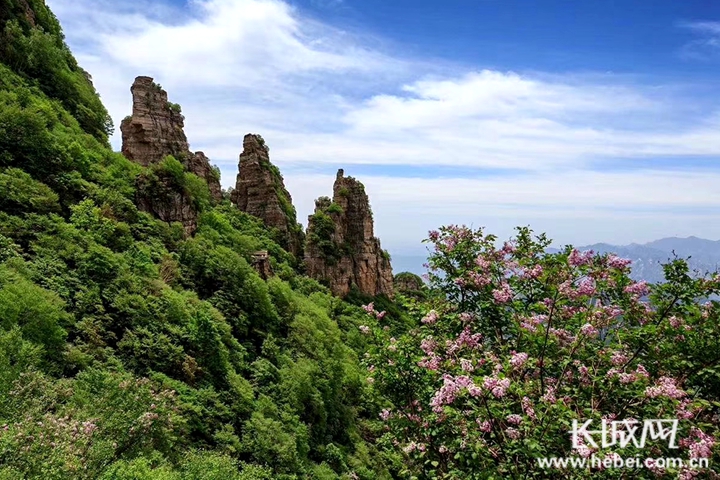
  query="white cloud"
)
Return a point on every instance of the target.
[
  {"x": 324, "y": 98},
  {"x": 707, "y": 44}
]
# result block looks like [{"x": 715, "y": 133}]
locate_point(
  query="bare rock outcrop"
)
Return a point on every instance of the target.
[
  {"x": 260, "y": 191},
  {"x": 156, "y": 129},
  {"x": 261, "y": 263},
  {"x": 341, "y": 249}
]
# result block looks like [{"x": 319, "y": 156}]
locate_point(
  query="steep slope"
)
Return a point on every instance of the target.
[
  {"x": 131, "y": 349},
  {"x": 32, "y": 46}
]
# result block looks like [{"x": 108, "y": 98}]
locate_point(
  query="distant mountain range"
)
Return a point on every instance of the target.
[{"x": 703, "y": 256}]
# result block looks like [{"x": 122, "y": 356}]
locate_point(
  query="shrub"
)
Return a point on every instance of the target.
[{"x": 523, "y": 342}]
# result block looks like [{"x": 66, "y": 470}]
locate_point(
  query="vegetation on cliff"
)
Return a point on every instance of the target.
[{"x": 129, "y": 349}]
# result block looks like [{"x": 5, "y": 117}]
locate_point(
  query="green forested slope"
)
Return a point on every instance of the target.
[{"x": 130, "y": 351}]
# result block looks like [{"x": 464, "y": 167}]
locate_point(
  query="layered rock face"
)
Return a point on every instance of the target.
[
  {"x": 156, "y": 129},
  {"x": 341, "y": 249},
  {"x": 260, "y": 191}
]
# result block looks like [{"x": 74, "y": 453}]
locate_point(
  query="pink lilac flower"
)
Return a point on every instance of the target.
[
  {"x": 483, "y": 263},
  {"x": 528, "y": 409},
  {"x": 638, "y": 288},
  {"x": 431, "y": 318},
  {"x": 549, "y": 396},
  {"x": 588, "y": 330},
  {"x": 702, "y": 446},
  {"x": 480, "y": 280},
  {"x": 514, "y": 419},
  {"x": 465, "y": 339},
  {"x": 518, "y": 360},
  {"x": 535, "y": 272},
  {"x": 431, "y": 363},
  {"x": 428, "y": 345},
  {"x": 566, "y": 289},
  {"x": 619, "y": 358},
  {"x": 474, "y": 390},
  {"x": 687, "y": 474},
  {"x": 496, "y": 386},
  {"x": 365, "y": 329},
  {"x": 684, "y": 410},
  {"x": 665, "y": 387},
  {"x": 512, "y": 433},
  {"x": 410, "y": 447},
  {"x": 445, "y": 395},
  {"x": 466, "y": 317},
  {"x": 380, "y": 315},
  {"x": 614, "y": 261},
  {"x": 385, "y": 414},
  {"x": 577, "y": 259},
  {"x": 466, "y": 365},
  {"x": 586, "y": 287},
  {"x": 369, "y": 308},
  {"x": 513, "y": 267},
  {"x": 640, "y": 371},
  {"x": 450, "y": 389},
  {"x": 503, "y": 294},
  {"x": 530, "y": 324},
  {"x": 485, "y": 425},
  {"x": 675, "y": 322}
]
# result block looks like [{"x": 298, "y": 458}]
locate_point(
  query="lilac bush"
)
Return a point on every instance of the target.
[{"x": 514, "y": 344}]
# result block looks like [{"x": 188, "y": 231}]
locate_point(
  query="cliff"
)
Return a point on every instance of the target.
[
  {"x": 260, "y": 191},
  {"x": 341, "y": 249},
  {"x": 156, "y": 129}
]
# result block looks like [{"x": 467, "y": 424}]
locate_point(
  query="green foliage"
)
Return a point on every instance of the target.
[
  {"x": 36, "y": 312},
  {"x": 262, "y": 143},
  {"x": 320, "y": 233},
  {"x": 174, "y": 107},
  {"x": 128, "y": 351},
  {"x": 20, "y": 193},
  {"x": 334, "y": 208},
  {"x": 41, "y": 57},
  {"x": 162, "y": 183}
]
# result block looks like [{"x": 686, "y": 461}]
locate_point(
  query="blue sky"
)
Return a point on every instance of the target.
[
  {"x": 631, "y": 36},
  {"x": 594, "y": 121}
]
